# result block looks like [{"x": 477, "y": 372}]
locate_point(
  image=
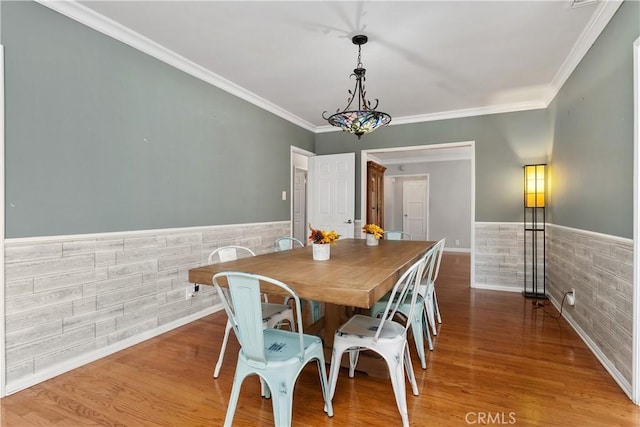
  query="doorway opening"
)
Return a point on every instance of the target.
[
  {"x": 299, "y": 170},
  {"x": 450, "y": 168},
  {"x": 407, "y": 206}
]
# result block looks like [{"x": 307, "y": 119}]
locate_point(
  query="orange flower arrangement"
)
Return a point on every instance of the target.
[
  {"x": 374, "y": 229},
  {"x": 321, "y": 236}
]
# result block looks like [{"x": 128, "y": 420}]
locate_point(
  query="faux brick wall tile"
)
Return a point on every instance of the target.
[
  {"x": 600, "y": 268},
  {"x": 68, "y": 297}
]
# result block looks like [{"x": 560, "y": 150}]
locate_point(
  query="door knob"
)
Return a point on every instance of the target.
[{"x": 348, "y": 222}]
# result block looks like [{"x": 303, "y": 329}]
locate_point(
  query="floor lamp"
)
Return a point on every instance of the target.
[{"x": 534, "y": 231}]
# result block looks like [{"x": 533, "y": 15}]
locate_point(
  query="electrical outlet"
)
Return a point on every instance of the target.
[
  {"x": 188, "y": 294},
  {"x": 571, "y": 297}
]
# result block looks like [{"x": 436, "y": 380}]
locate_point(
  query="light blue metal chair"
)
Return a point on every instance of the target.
[
  {"x": 384, "y": 336},
  {"x": 286, "y": 243},
  {"x": 396, "y": 235},
  {"x": 414, "y": 315},
  {"x": 423, "y": 314},
  {"x": 428, "y": 291},
  {"x": 276, "y": 356},
  {"x": 272, "y": 314}
]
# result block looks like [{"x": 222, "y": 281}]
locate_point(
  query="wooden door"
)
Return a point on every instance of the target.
[
  {"x": 415, "y": 209},
  {"x": 375, "y": 193}
]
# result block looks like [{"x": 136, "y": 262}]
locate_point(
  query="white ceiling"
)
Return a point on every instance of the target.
[{"x": 425, "y": 60}]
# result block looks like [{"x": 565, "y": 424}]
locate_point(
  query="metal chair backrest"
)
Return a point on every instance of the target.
[
  {"x": 397, "y": 235},
  {"x": 243, "y": 306},
  {"x": 286, "y": 243},
  {"x": 406, "y": 287},
  {"x": 438, "y": 256},
  {"x": 229, "y": 253}
]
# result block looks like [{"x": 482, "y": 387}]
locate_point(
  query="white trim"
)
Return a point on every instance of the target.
[
  {"x": 292, "y": 168},
  {"x": 113, "y": 29},
  {"x": 3, "y": 376},
  {"x": 455, "y": 114},
  {"x": 76, "y": 11},
  {"x": 501, "y": 288},
  {"x": 40, "y": 239},
  {"x": 459, "y": 250},
  {"x": 606, "y": 363},
  {"x": 472, "y": 243},
  {"x": 498, "y": 222},
  {"x": 302, "y": 151},
  {"x": 106, "y": 351},
  {"x": 602, "y": 16},
  {"x": 410, "y": 160},
  {"x": 625, "y": 240},
  {"x": 635, "y": 375}
]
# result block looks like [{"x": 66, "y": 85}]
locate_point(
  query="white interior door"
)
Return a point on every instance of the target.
[
  {"x": 414, "y": 208},
  {"x": 331, "y": 193},
  {"x": 299, "y": 204}
]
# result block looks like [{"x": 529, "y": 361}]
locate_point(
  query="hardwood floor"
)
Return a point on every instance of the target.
[{"x": 497, "y": 361}]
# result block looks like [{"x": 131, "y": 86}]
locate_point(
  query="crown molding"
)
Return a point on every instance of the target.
[
  {"x": 111, "y": 28},
  {"x": 602, "y": 16},
  {"x": 455, "y": 114},
  {"x": 76, "y": 11}
]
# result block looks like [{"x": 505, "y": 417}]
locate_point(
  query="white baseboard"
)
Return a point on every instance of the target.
[
  {"x": 106, "y": 351},
  {"x": 491, "y": 287},
  {"x": 615, "y": 374},
  {"x": 462, "y": 250}
]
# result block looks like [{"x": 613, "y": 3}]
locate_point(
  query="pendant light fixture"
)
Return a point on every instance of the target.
[{"x": 364, "y": 118}]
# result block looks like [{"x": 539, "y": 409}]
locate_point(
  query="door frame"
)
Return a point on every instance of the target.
[
  {"x": 3, "y": 377},
  {"x": 635, "y": 372},
  {"x": 364, "y": 157},
  {"x": 304, "y": 172},
  {"x": 302, "y": 152}
]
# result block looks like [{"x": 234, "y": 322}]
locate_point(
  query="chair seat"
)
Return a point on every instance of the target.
[
  {"x": 416, "y": 323},
  {"x": 365, "y": 327},
  {"x": 281, "y": 345}
]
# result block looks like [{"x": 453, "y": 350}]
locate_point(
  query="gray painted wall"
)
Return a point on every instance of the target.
[
  {"x": 101, "y": 137},
  {"x": 504, "y": 143},
  {"x": 592, "y": 162},
  {"x": 449, "y": 199}
]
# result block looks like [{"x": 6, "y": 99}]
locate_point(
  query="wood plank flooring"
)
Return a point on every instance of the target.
[{"x": 497, "y": 361}]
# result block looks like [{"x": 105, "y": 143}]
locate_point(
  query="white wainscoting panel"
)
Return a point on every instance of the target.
[{"x": 73, "y": 299}]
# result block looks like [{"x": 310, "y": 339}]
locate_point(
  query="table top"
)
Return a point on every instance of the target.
[{"x": 356, "y": 275}]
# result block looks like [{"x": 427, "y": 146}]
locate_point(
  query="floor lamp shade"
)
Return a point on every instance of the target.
[{"x": 534, "y": 186}]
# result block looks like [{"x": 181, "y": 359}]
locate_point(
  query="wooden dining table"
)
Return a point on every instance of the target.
[{"x": 356, "y": 275}]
